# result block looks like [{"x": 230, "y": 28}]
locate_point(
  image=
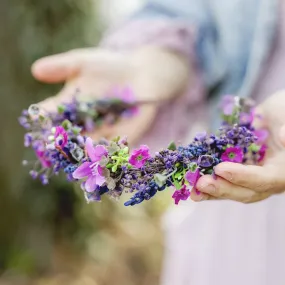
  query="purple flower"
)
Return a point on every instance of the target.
[
  {"x": 262, "y": 152},
  {"x": 41, "y": 155},
  {"x": 228, "y": 104},
  {"x": 127, "y": 95},
  {"x": 60, "y": 137},
  {"x": 139, "y": 156},
  {"x": 34, "y": 174},
  {"x": 246, "y": 118},
  {"x": 192, "y": 177},
  {"x": 91, "y": 169},
  {"x": 28, "y": 140},
  {"x": 205, "y": 160},
  {"x": 233, "y": 154},
  {"x": 201, "y": 136},
  {"x": 182, "y": 194},
  {"x": 261, "y": 135}
]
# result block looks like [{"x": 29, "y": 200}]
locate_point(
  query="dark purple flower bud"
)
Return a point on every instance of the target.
[
  {"x": 205, "y": 161},
  {"x": 34, "y": 174},
  {"x": 27, "y": 140},
  {"x": 44, "y": 179},
  {"x": 201, "y": 136}
]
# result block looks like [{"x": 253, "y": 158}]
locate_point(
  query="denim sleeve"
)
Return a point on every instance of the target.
[{"x": 195, "y": 13}]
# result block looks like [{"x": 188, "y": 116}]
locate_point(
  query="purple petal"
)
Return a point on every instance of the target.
[
  {"x": 95, "y": 153},
  {"x": 90, "y": 148},
  {"x": 127, "y": 95},
  {"x": 100, "y": 180},
  {"x": 261, "y": 135},
  {"x": 99, "y": 151},
  {"x": 91, "y": 183},
  {"x": 82, "y": 171},
  {"x": 228, "y": 109},
  {"x": 192, "y": 177}
]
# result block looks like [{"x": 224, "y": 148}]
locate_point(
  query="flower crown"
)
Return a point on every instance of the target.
[{"x": 111, "y": 168}]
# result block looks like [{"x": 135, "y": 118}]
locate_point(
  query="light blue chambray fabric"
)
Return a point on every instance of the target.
[{"x": 233, "y": 38}]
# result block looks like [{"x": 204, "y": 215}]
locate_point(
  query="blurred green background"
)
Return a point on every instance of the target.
[{"x": 49, "y": 235}]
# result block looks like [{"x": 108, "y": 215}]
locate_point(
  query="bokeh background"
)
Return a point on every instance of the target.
[{"x": 49, "y": 235}]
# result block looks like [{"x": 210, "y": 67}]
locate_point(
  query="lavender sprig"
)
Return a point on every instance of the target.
[{"x": 110, "y": 168}]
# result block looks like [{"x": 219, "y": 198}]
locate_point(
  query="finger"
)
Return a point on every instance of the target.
[
  {"x": 198, "y": 196},
  {"x": 257, "y": 178},
  {"x": 60, "y": 67},
  {"x": 222, "y": 189},
  {"x": 282, "y": 135}
]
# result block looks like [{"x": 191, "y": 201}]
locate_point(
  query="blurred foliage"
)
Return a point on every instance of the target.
[
  {"x": 29, "y": 30},
  {"x": 46, "y": 231}
]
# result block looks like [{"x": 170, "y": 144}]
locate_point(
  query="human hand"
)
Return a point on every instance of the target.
[
  {"x": 251, "y": 183},
  {"x": 152, "y": 73}
]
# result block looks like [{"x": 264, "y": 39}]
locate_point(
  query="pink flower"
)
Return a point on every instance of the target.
[
  {"x": 262, "y": 152},
  {"x": 42, "y": 158},
  {"x": 60, "y": 137},
  {"x": 182, "y": 194},
  {"x": 228, "y": 104},
  {"x": 233, "y": 154},
  {"x": 92, "y": 170},
  {"x": 192, "y": 177},
  {"x": 127, "y": 95},
  {"x": 139, "y": 156},
  {"x": 261, "y": 135},
  {"x": 246, "y": 118}
]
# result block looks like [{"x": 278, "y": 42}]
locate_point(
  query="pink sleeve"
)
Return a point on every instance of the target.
[
  {"x": 174, "y": 35},
  {"x": 176, "y": 117}
]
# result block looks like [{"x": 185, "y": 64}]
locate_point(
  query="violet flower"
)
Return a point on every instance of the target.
[
  {"x": 228, "y": 104},
  {"x": 232, "y": 154},
  {"x": 127, "y": 95},
  {"x": 43, "y": 159},
  {"x": 261, "y": 135},
  {"x": 262, "y": 152},
  {"x": 192, "y": 177},
  {"x": 182, "y": 194},
  {"x": 139, "y": 156},
  {"x": 60, "y": 137},
  {"x": 91, "y": 170},
  {"x": 246, "y": 118}
]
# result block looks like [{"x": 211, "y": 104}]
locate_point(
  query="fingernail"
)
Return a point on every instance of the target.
[
  {"x": 225, "y": 174},
  {"x": 210, "y": 188}
]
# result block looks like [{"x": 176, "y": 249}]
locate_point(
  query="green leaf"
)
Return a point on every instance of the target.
[
  {"x": 66, "y": 124},
  {"x": 254, "y": 147},
  {"x": 178, "y": 175},
  {"x": 113, "y": 148},
  {"x": 114, "y": 168},
  {"x": 116, "y": 139},
  {"x": 76, "y": 130},
  {"x": 193, "y": 166},
  {"x": 177, "y": 184},
  {"x": 41, "y": 118},
  {"x": 172, "y": 146},
  {"x": 160, "y": 179},
  {"x": 60, "y": 109}
]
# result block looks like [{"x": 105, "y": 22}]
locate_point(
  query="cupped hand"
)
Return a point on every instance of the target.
[
  {"x": 251, "y": 183},
  {"x": 152, "y": 73}
]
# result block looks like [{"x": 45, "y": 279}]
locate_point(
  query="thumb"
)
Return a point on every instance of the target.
[
  {"x": 57, "y": 68},
  {"x": 282, "y": 135}
]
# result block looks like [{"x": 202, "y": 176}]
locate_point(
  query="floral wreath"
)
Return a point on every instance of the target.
[{"x": 111, "y": 168}]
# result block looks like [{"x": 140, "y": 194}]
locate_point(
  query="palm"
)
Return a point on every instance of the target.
[{"x": 95, "y": 72}]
